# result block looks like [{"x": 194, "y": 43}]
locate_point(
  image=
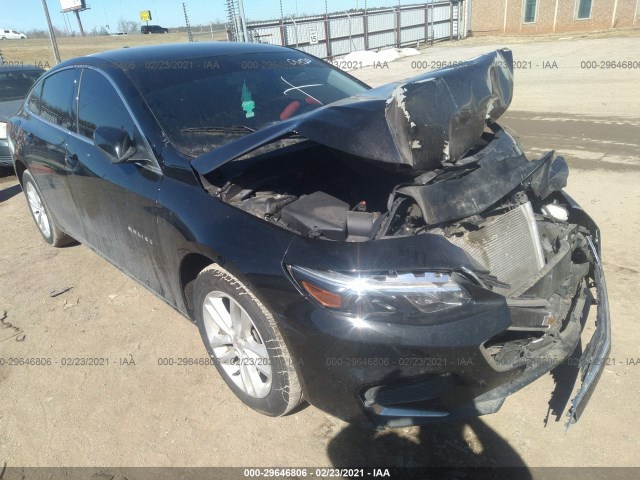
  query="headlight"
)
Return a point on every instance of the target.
[
  {"x": 365, "y": 294},
  {"x": 3, "y": 130}
]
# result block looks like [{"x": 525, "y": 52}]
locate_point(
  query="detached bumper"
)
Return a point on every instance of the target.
[
  {"x": 395, "y": 375},
  {"x": 388, "y": 404},
  {"x": 594, "y": 357}
]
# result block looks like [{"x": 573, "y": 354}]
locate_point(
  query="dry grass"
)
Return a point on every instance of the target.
[{"x": 38, "y": 51}]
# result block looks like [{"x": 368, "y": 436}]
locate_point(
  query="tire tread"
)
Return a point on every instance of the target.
[{"x": 293, "y": 397}]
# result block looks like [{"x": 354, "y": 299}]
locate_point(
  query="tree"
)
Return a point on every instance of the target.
[
  {"x": 37, "y": 33},
  {"x": 127, "y": 26},
  {"x": 96, "y": 32}
]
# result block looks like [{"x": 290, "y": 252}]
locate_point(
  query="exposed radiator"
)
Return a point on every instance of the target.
[{"x": 507, "y": 245}]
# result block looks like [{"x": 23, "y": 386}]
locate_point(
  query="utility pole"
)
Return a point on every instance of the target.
[
  {"x": 186, "y": 20},
  {"x": 67, "y": 27},
  {"x": 52, "y": 35},
  {"x": 77, "y": 12},
  {"x": 243, "y": 20},
  {"x": 232, "y": 21}
]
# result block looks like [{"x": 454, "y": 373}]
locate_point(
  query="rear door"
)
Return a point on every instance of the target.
[
  {"x": 116, "y": 200},
  {"x": 49, "y": 119}
]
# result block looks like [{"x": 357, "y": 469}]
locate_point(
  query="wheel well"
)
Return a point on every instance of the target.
[
  {"x": 190, "y": 267},
  {"x": 20, "y": 168}
]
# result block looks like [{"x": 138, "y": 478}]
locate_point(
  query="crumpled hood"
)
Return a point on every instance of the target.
[{"x": 431, "y": 118}]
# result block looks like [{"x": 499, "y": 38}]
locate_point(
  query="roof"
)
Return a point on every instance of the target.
[{"x": 177, "y": 51}]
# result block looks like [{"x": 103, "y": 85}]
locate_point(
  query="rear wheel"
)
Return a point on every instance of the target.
[
  {"x": 41, "y": 214},
  {"x": 245, "y": 344}
]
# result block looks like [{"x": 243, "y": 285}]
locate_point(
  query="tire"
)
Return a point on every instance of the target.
[
  {"x": 41, "y": 214},
  {"x": 243, "y": 340}
]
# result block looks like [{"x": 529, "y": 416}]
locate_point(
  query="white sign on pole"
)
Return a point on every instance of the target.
[
  {"x": 68, "y": 5},
  {"x": 313, "y": 35}
]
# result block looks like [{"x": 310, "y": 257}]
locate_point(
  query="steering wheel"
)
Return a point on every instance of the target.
[{"x": 295, "y": 105}]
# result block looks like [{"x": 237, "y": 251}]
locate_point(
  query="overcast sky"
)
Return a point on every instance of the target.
[{"x": 25, "y": 15}]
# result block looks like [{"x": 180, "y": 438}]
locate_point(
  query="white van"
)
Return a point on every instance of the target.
[{"x": 6, "y": 34}]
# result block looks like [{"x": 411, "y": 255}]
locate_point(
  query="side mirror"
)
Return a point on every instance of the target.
[{"x": 114, "y": 142}]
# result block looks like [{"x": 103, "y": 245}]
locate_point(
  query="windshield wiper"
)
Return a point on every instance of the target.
[{"x": 239, "y": 129}]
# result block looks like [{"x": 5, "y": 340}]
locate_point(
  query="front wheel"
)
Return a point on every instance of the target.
[
  {"x": 245, "y": 344},
  {"x": 41, "y": 214}
]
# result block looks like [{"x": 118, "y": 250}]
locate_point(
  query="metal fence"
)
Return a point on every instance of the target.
[{"x": 335, "y": 34}]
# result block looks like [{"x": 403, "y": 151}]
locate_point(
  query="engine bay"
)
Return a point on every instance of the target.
[
  {"x": 319, "y": 192},
  {"x": 503, "y": 210},
  {"x": 312, "y": 191}
]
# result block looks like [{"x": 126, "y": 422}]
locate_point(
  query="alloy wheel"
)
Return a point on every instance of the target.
[
  {"x": 237, "y": 344},
  {"x": 37, "y": 208}
]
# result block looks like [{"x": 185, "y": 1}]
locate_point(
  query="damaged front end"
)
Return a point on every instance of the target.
[{"x": 425, "y": 160}]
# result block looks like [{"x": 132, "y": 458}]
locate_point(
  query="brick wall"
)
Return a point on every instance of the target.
[{"x": 491, "y": 17}]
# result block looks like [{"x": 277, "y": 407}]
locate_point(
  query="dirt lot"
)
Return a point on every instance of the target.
[{"x": 137, "y": 413}]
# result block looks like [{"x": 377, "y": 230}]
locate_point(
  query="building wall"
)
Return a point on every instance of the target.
[{"x": 491, "y": 17}]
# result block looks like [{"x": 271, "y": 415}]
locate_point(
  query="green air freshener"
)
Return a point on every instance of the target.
[{"x": 247, "y": 102}]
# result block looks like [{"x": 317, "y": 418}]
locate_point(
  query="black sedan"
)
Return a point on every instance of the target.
[
  {"x": 145, "y": 29},
  {"x": 15, "y": 83},
  {"x": 390, "y": 254}
]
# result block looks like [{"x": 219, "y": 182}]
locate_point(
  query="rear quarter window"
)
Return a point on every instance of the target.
[
  {"x": 34, "y": 98},
  {"x": 57, "y": 100}
]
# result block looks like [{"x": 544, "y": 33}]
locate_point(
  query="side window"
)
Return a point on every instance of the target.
[
  {"x": 584, "y": 9},
  {"x": 34, "y": 98},
  {"x": 101, "y": 106},
  {"x": 530, "y": 11},
  {"x": 57, "y": 105}
]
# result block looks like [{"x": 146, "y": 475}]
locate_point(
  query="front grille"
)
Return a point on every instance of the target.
[
  {"x": 6, "y": 160},
  {"x": 507, "y": 245}
]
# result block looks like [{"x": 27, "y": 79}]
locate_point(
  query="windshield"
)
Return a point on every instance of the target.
[
  {"x": 16, "y": 85},
  {"x": 205, "y": 102}
]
